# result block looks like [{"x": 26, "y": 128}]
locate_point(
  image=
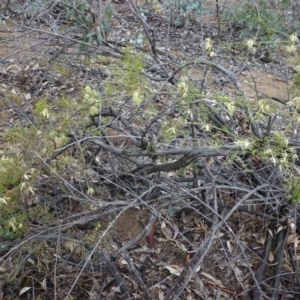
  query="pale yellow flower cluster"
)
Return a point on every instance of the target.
[
  {"x": 250, "y": 44},
  {"x": 137, "y": 97},
  {"x": 183, "y": 87},
  {"x": 292, "y": 42},
  {"x": 209, "y": 47},
  {"x": 92, "y": 98}
]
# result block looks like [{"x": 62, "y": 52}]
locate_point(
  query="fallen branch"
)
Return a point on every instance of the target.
[{"x": 262, "y": 268}]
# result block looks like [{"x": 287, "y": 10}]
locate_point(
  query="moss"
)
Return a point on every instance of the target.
[
  {"x": 61, "y": 69},
  {"x": 13, "y": 216},
  {"x": 293, "y": 189},
  {"x": 15, "y": 98},
  {"x": 297, "y": 79},
  {"x": 11, "y": 172}
]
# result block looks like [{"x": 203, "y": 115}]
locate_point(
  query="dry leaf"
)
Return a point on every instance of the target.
[
  {"x": 218, "y": 235},
  {"x": 173, "y": 271},
  {"x": 293, "y": 228},
  {"x": 238, "y": 273},
  {"x": 290, "y": 239},
  {"x": 181, "y": 246},
  {"x": 229, "y": 247},
  {"x": 176, "y": 231},
  {"x": 167, "y": 232},
  {"x": 97, "y": 286},
  {"x": 187, "y": 219},
  {"x": 210, "y": 161},
  {"x": 44, "y": 284},
  {"x": 160, "y": 295},
  {"x": 6, "y": 265},
  {"x": 297, "y": 170},
  {"x": 280, "y": 228},
  {"x": 270, "y": 232},
  {"x": 93, "y": 295},
  {"x": 214, "y": 280},
  {"x": 296, "y": 242},
  {"x": 24, "y": 290}
]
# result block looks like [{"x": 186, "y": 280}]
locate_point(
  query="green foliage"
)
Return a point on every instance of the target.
[
  {"x": 35, "y": 7},
  {"x": 262, "y": 20},
  {"x": 274, "y": 150},
  {"x": 170, "y": 128},
  {"x": 138, "y": 39},
  {"x": 92, "y": 17},
  {"x": 297, "y": 79},
  {"x": 182, "y": 9},
  {"x": 18, "y": 177},
  {"x": 11, "y": 172},
  {"x": 92, "y": 99},
  {"x": 41, "y": 106},
  {"x": 293, "y": 188},
  {"x": 61, "y": 69},
  {"x": 48, "y": 135},
  {"x": 127, "y": 76},
  {"x": 13, "y": 218}
]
